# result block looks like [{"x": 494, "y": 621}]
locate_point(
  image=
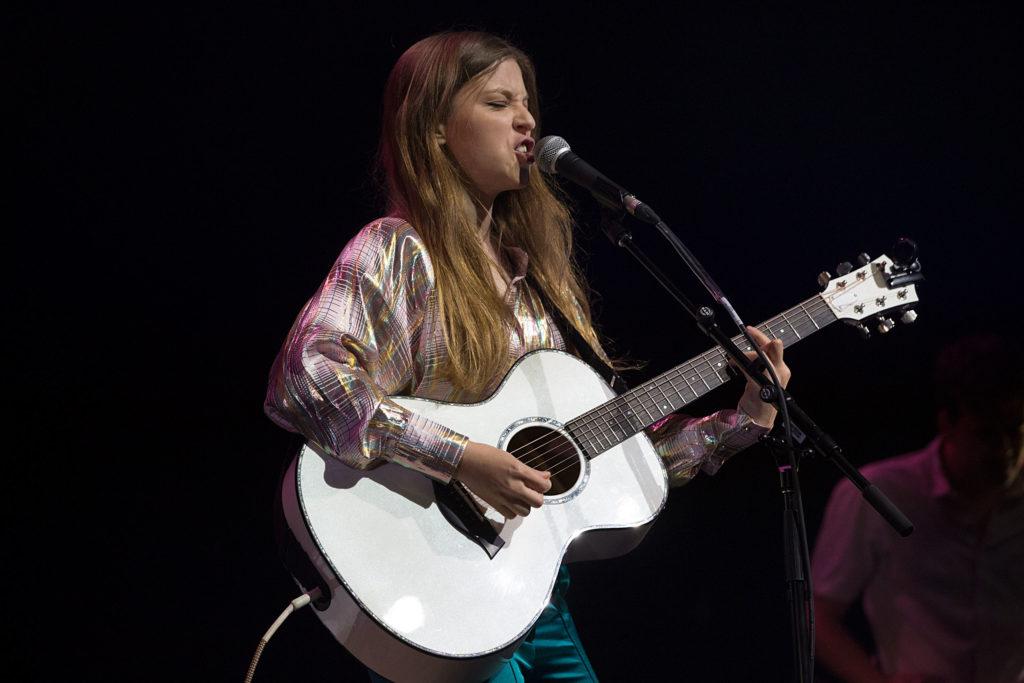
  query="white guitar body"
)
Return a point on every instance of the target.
[{"x": 414, "y": 598}]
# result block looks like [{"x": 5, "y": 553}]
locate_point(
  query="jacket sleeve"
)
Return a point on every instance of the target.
[
  {"x": 352, "y": 346},
  {"x": 691, "y": 444}
]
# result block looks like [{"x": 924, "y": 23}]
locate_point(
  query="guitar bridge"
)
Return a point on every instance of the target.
[{"x": 460, "y": 509}]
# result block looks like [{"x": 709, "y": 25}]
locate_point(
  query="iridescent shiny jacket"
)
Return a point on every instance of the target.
[{"x": 373, "y": 329}]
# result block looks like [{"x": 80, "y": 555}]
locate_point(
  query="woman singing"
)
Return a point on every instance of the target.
[{"x": 440, "y": 297}]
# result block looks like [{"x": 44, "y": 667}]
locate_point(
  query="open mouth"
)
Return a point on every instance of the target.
[{"x": 524, "y": 152}]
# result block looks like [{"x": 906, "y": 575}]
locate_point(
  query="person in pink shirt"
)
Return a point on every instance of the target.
[{"x": 947, "y": 602}]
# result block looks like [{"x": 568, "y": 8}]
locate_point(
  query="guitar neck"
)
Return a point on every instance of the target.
[{"x": 633, "y": 411}]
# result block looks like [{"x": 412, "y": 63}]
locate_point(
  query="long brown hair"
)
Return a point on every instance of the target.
[{"x": 426, "y": 187}]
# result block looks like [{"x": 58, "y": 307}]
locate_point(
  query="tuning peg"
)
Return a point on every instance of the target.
[
  {"x": 908, "y": 316},
  {"x": 861, "y": 328},
  {"x": 844, "y": 268},
  {"x": 905, "y": 252},
  {"x": 824, "y": 277},
  {"x": 885, "y": 325},
  {"x": 863, "y": 259}
]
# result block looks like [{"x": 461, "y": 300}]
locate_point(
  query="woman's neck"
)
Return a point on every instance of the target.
[{"x": 481, "y": 213}]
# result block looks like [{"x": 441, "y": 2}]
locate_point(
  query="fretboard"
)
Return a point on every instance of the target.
[{"x": 633, "y": 411}]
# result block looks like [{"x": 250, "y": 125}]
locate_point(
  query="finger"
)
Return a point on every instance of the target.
[
  {"x": 773, "y": 350},
  {"x": 535, "y": 479},
  {"x": 771, "y": 347},
  {"x": 520, "y": 509},
  {"x": 757, "y": 335},
  {"x": 531, "y": 497}
]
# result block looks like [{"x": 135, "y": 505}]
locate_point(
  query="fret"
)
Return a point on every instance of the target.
[
  {"x": 594, "y": 431},
  {"x": 592, "y": 449},
  {"x": 612, "y": 419},
  {"x": 608, "y": 435},
  {"x": 810, "y": 311},
  {"x": 713, "y": 384},
  {"x": 691, "y": 379},
  {"x": 630, "y": 415},
  {"x": 679, "y": 392},
  {"x": 581, "y": 433},
  {"x": 720, "y": 360},
  {"x": 630, "y": 425},
  {"x": 633, "y": 404},
  {"x": 666, "y": 405},
  {"x": 581, "y": 440},
  {"x": 691, "y": 396},
  {"x": 603, "y": 417},
  {"x": 811, "y": 317},
  {"x": 644, "y": 397},
  {"x": 713, "y": 369},
  {"x": 689, "y": 386},
  {"x": 624, "y": 431},
  {"x": 647, "y": 390},
  {"x": 792, "y": 327}
]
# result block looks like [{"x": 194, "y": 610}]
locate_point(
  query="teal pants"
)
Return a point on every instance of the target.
[{"x": 551, "y": 652}]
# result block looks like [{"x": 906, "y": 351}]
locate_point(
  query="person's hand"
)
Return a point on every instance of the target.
[
  {"x": 760, "y": 412},
  {"x": 504, "y": 483}
]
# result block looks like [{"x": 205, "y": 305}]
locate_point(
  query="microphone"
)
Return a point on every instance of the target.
[{"x": 556, "y": 158}]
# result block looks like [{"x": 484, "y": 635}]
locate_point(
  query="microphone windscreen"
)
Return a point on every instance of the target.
[{"x": 548, "y": 149}]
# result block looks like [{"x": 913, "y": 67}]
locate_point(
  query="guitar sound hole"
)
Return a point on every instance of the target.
[{"x": 545, "y": 449}]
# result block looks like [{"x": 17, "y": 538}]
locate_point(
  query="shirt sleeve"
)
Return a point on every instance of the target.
[
  {"x": 351, "y": 347},
  {"x": 846, "y": 553},
  {"x": 688, "y": 445}
]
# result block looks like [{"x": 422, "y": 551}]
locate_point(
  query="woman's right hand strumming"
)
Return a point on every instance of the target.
[{"x": 504, "y": 483}]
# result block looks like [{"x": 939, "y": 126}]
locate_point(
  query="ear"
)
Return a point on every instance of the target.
[{"x": 441, "y": 135}]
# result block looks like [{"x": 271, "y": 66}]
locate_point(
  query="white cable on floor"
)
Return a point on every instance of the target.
[{"x": 295, "y": 604}]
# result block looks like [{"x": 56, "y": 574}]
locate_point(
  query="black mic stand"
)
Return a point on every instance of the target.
[{"x": 795, "y": 421}]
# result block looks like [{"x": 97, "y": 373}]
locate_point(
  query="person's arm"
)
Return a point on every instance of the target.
[
  {"x": 852, "y": 544},
  {"x": 839, "y": 651},
  {"x": 688, "y": 445},
  {"x": 843, "y": 655},
  {"x": 352, "y": 346}
]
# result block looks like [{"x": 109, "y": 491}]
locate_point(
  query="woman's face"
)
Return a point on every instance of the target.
[{"x": 489, "y": 132}]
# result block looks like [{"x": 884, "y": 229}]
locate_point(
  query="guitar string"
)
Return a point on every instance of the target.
[
  {"x": 671, "y": 378},
  {"x": 677, "y": 372},
  {"x": 549, "y": 456},
  {"x": 604, "y": 414},
  {"x": 589, "y": 419},
  {"x": 558, "y": 460},
  {"x": 571, "y": 460}
]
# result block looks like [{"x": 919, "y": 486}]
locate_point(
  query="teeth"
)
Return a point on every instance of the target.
[{"x": 521, "y": 148}]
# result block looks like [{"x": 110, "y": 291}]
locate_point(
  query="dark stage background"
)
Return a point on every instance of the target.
[{"x": 184, "y": 178}]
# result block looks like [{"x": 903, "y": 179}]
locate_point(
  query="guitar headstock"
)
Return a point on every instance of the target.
[{"x": 882, "y": 288}]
